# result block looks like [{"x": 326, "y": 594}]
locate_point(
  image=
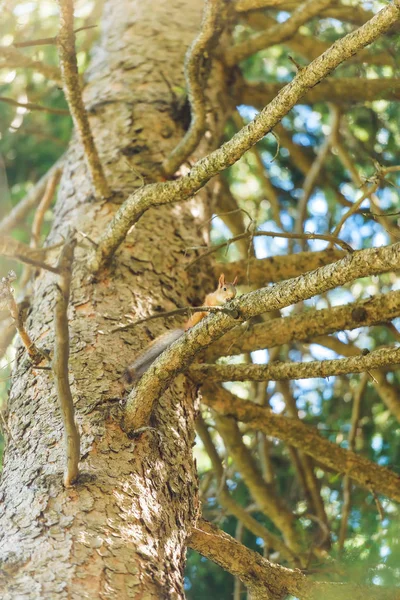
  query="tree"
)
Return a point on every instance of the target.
[{"x": 100, "y": 492}]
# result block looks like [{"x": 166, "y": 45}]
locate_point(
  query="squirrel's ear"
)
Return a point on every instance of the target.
[
  {"x": 234, "y": 282},
  {"x": 221, "y": 281}
]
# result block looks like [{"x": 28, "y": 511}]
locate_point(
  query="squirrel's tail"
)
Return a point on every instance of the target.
[{"x": 134, "y": 371}]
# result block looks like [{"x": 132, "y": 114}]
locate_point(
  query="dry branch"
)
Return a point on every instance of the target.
[
  {"x": 7, "y": 299},
  {"x": 209, "y": 166},
  {"x": 337, "y": 90},
  {"x": 15, "y": 59},
  {"x": 179, "y": 356},
  {"x": 277, "y": 34},
  {"x": 277, "y": 268},
  {"x": 355, "y": 417},
  {"x": 232, "y": 507},
  {"x": 262, "y": 493},
  {"x": 288, "y": 236},
  {"x": 195, "y": 84},
  {"x": 23, "y": 253},
  {"x": 377, "y": 359},
  {"x": 297, "y": 434},
  {"x": 73, "y": 94},
  {"x": 19, "y": 212},
  {"x": 269, "y": 581},
  {"x": 32, "y": 106},
  {"x": 44, "y": 204},
  {"x": 307, "y": 326},
  {"x": 60, "y": 364}
]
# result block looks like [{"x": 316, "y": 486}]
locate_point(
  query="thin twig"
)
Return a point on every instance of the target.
[
  {"x": 32, "y": 106},
  {"x": 7, "y": 298},
  {"x": 291, "y": 236},
  {"x": 177, "y": 311},
  {"x": 73, "y": 94},
  {"x": 48, "y": 40},
  {"x": 60, "y": 363},
  {"x": 196, "y": 82}
]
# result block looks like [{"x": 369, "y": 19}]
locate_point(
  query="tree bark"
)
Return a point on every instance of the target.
[{"x": 121, "y": 531}]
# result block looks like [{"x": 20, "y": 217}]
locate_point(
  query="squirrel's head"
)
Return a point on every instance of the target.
[{"x": 227, "y": 290}]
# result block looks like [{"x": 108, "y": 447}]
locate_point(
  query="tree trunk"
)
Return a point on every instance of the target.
[{"x": 121, "y": 531}]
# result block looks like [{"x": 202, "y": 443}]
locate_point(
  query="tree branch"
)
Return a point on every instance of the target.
[
  {"x": 283, "y": 371},
  {"x": 32, "y": 106},
  {"x": 262, "y": 492},
  {"x": 60, "y": 364},
  {"x": 19, "y": 251},
  {"x": 174, "y": 191},
  {"x": 269, "y": 581},
  {"x": 337, "y": 90},
  {"x": 7, "y": 298},
  {"x": 297, "y": 434},
  {"x": 287, "y": 236},
  {"x": 73, "y": 94},
  {"x": 277, "y": 268},
  {"x": 16, "y": 59},
  {"x": 306, "y": 326},
  {"x": 197, "y": 53},
  {"x": 232, "y": 507},
  {"x": 277, "y": 34},
  {"x": 32, "y": 198}
]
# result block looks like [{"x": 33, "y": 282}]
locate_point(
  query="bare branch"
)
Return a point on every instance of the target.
[
  {"x": 60, "y": 364},
  {"x": 175, "y": 191},
  {"x": 262, "y": 492},
  {"x": 288, "y": 236},
  {"x": 44, "y": 204},
  {"x": 355, "y": 417},
  {"x": 7, "y": 299},
  {"x": 178, "y": 357},
  {"x": 265, "y": 580},
  {"x": 19, "y": 251},
  {"x": 73, "y": 94},
  {"x": 49, "y": 41},
  {"x": 195, "y": 84},
  {"x": 245, "y": 5},
  {"x": 306, "y": 326},
  {"x": 297, "y": 434},
  {"x": 15, "y": 59},
  {"x": 19, "y": 212},
  {"x": 377, "y": 359},
  {"x": 235, "y": 509},
  {"x": 278, "y": 268},
  {"x": 338, "y": 90},
  {"x": 269, "y": 581},
  {"x": 277, "y": 34},
  {"x": 32, "y": 106}
]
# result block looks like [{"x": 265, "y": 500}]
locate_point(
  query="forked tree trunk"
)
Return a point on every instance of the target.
[{"x": 121, "y": 531}]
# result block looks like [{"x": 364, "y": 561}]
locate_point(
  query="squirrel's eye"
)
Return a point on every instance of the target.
[{"x": 224, "y": 289}]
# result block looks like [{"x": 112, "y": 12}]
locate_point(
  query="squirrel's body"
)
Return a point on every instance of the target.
[{"x": 223, "y": 293}]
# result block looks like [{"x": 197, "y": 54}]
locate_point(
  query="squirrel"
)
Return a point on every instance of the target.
[{"x": 224, "y": 292}]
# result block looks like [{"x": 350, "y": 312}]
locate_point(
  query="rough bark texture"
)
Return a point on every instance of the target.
[{"x": 121, "y": 532}]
